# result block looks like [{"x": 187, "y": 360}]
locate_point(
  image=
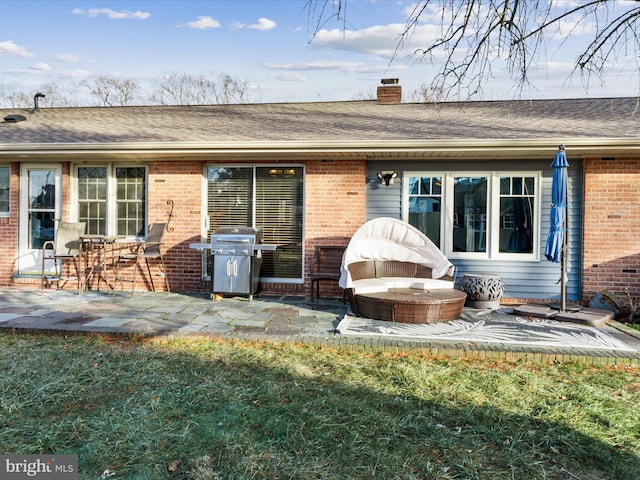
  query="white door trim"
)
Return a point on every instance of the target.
[{"x": 29, "y": 248}]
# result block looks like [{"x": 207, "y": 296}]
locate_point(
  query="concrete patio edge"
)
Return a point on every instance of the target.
[{"x": 294, "y": 320}]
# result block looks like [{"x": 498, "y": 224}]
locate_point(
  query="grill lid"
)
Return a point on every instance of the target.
[
  {"x": 236, "y": 235},
  {"x": 237, "y": 230}
]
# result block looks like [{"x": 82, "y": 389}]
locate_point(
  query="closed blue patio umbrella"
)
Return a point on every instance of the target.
[{"x": 556, "y": 249}]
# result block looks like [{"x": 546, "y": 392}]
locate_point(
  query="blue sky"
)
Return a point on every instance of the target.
[{"x": 263, "y": 42}]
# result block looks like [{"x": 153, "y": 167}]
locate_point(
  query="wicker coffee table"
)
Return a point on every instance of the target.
[{"x": 409, "y": 305}]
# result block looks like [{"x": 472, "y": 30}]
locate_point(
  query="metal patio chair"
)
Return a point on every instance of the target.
[
  {"x": 150, "y": 249},
  {"x": 66, "y": 246}
]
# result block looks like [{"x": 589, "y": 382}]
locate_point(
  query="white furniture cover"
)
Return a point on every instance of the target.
[{"x": 391, "y": 239}]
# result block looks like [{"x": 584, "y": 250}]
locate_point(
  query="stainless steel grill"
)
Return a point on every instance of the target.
[{"x": 237, "y": 258}]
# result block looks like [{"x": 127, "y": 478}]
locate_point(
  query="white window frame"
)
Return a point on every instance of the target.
[
  {"x": 493, "y": 212},
  {"x": 111, "y": 207}
]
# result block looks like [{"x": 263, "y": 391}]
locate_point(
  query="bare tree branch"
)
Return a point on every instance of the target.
[
  {"x": 319, "y": 13},
  {"x": 474, "y": 34},
  {"x": 185, "y": 89},
  {"x": 112, "y": 91},
  {"x": 608, "y": 38},
  {"x": 171, "y": 89}
]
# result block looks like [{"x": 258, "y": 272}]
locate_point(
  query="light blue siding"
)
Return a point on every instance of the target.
[
  {"x": 383, "y": 201},
  {"x": 523, "y": 279}
]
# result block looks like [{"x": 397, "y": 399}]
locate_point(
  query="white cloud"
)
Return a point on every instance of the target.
[
  {"x": 316, "y": 65},
  {"x": 10, "y": 48},
  {"x": 331, "y": 65},
  {"x": 378, "y": 39},
  {"x": 36, "y": 69},
  {"x": 39, "y": 71},
  {"x": 78, "y": 73},
  {"x": 203, "y": 23},
  {"x": 112, "y": 14},
  {"x": 40, "y": 67},
  {"x": 291, "y": 77},
  {"x": 565, "y": 3},
  {"x": 68, "y": 58},
  {"x": 264, "y": 24},
  {"x": 572, "y": 26},
  {"x": 557, "y": 68}
]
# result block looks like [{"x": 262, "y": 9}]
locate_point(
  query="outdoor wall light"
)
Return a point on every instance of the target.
[{"x": 387, "y": 177}]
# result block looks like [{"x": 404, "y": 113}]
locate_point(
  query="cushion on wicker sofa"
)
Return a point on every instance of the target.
[
  {"x": 370, "y": 276},
  {"x": 383, "y": 284}
]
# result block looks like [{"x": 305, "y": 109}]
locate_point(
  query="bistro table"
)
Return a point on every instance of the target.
[
  {"x": 98, "y": 253},
  {"x": 410, "y": 305}
]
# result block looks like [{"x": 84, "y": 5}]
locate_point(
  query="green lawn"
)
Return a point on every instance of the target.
[{"x": 240, "y": 410}]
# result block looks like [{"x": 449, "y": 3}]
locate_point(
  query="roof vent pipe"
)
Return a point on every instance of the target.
[
  {"x": 38, "y": 95},
  {"x": 14, "y": 118}
]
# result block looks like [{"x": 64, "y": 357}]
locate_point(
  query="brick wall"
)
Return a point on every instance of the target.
[
  {"x": 611, "y": 255},
  {"x": 335, "y": 208},
  {"x": 180, "y": 183},
  {"x": 9, "y": 232}
]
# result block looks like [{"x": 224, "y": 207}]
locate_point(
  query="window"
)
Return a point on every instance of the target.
[
  {"x": 517, "y": 200},
  {"x": 476, "y": 216},
  {"x": 42, "y": 189},
  {"x": 470, "y": 214},
  {"x": 425, "y": 205},
  {"x": 131, "y": 201},
  {"x": 112, "y": 199},
  {"x": 268, "y": 198},
  {"x": 92, "y": 198},
  {"x": 5, "y": 191}
]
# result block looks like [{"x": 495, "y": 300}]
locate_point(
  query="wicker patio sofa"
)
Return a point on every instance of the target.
[
  {"x": 375, "y": 275},
  {"x": 429, "y": 302},
  {"x": 392, "y": 271}
]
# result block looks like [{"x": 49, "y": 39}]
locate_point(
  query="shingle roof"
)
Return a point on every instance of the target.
[{"x": 333, "y": 122}]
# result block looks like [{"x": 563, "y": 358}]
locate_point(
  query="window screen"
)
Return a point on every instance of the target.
[
  {"x": 279, "y": 206},
  {"x": 5, "y": 192},
  {"x": 517, "y": 200},
  {"x": 470, "y": 214},
  {"x": 268, "y": 198},
  {"x": 92, "y": 199},
  {"x": 230, "y": 192},
  {"x": 130, "y": 201},
  {"x": 425, "y": 206}
]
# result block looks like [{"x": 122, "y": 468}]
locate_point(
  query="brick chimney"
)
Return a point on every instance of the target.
[{"x": 390, "y": 93}]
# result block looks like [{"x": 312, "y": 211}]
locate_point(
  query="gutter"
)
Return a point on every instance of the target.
[{"x": 407, "y": 149}]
